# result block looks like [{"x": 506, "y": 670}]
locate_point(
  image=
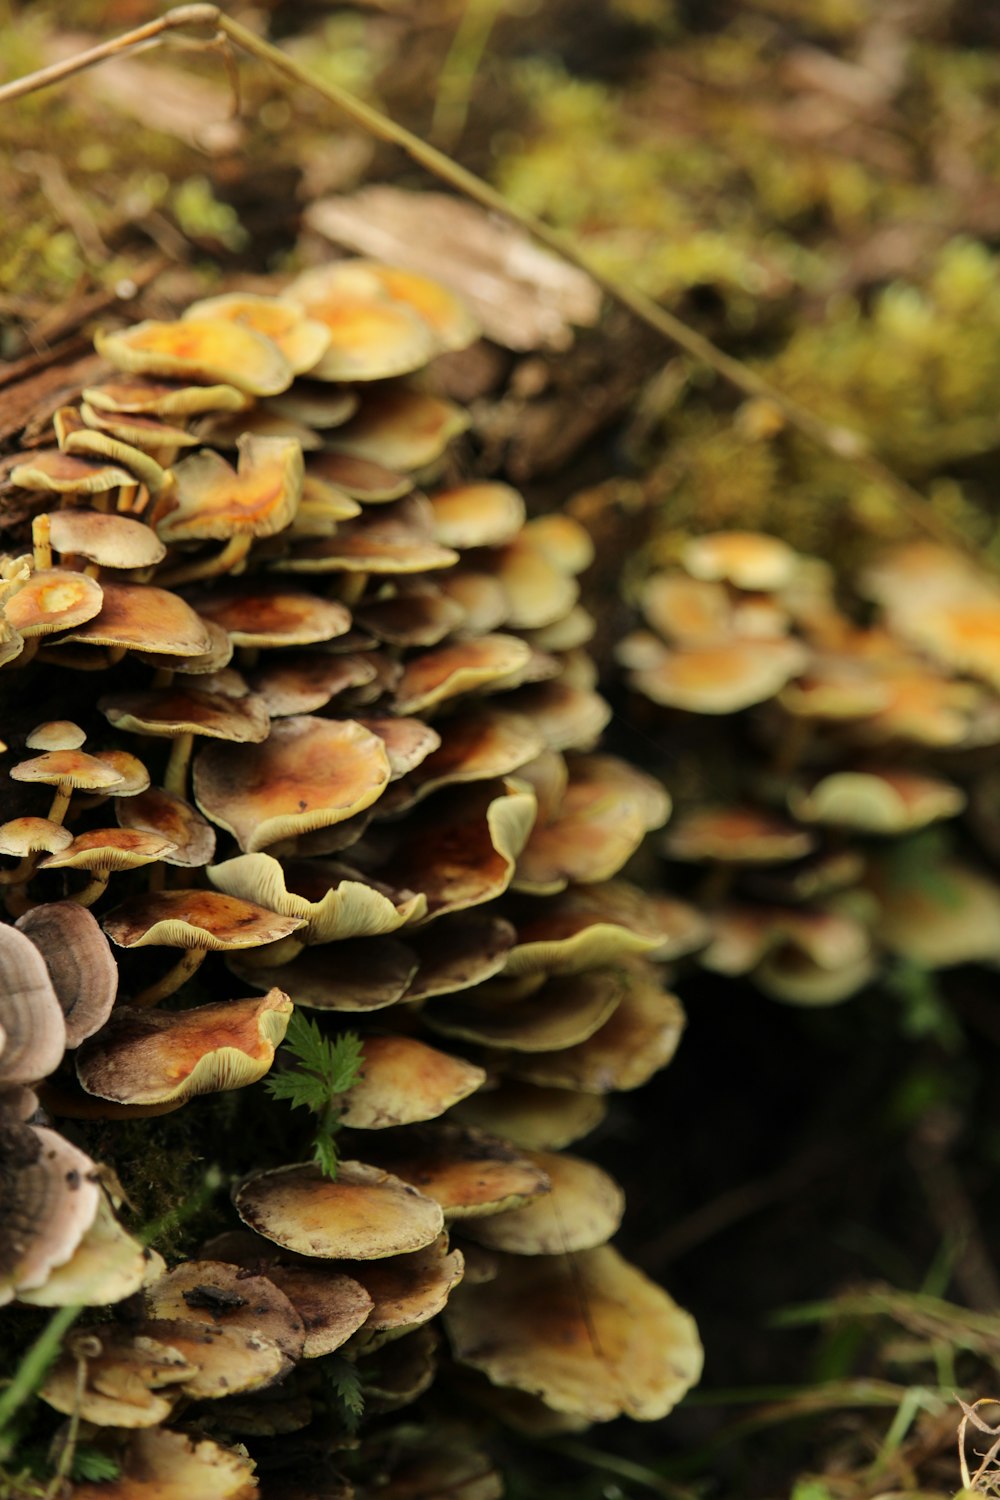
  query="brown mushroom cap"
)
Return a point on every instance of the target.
[
  {"x": 334, "y": 901},
  {"x": 447, "y": 315},
  {"x": 361, "y": 478},
  {"x": 372, "y": 336},
  {"x": 364, "y": 1215},
  {"x": 404, "y": 1081},
  {"x": 201, "y": 349},
  {"x": 640, "y": 1037},
  {"x": 144, "y": 618},
  {"x": 361, "y": 974},
  {"x": 458, "y": 952},
  {"x": 467, "y": 1172},
  {"x": 50, "y": 1201},
  {"x": 210, "y": 499},
  {"x": 742, "y": 936},
  {"x": 310, "y": 773},
  {"x": 178, "y": 709},
  {"x": 562, "y": 1013},
  {"x": 582, "y": 1209},
  {"x": 593, "y": 1337},
  {"x": 195, "y": 919},
  {"x": 397, "y": 539},
  {"x": 411, "y": 619},
  {"x": 460, "y": 668},
  {"x": 163, "y": 398},
  {"x": 538, "y": 591},
  {"x": 163, "y": 1465},
  {"x": 532, "y": 1116},
  {"x": 594, "y": 924},
  {"x": 719, "y": 679},
  {"x": 734, "y": 834},
  {"x": 953, "y": 919},
  {"x": 157, "y": 811},
  {"x": 157, "y": 1057},
  {"x": 76, "y": 768},
  {"x": 302, "y": 682},
  {"x": 257, "y": 616},
  {"x": 103, "y": 849},
  {"x": 150, "y": 434},
  {"x": 51, "y": 600},
  {"x": 214, "y": 1294},
  {"x": 80, "y": 963}
]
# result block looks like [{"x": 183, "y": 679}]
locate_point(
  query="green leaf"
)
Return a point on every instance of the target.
[
  {"x": 345, "y": 1383},
  {"x": 325, "y": 1152},
  {"x": 90, "y": 1463},
  {"x": 327, "y": 1066}
]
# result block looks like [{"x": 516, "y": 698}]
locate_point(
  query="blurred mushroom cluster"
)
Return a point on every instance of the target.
[
  {"x": 337, "y": 750},
  {"x": 842, "y": 727}
]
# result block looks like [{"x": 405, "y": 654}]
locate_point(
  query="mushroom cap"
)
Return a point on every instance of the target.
[
  {"x": 594, "y": 1337},
  {"x": 734, "y": 834},
  {"x": 334, "y": 901},
  {"x": 310, "y": 773},
  {"x": 145, "y": 618},
  {"x": 68, "y": 473},
  {"x": 532, "y": 1116},
  {"x": 179, "y": 709},
  {"x": 594, "y": 924},
  {"x": 458, "y": 952},
  {"x": 485, "y": 514},
  {"x": 302, "y": 682},
  {"x": 195, "y": 919},
  {"x": 80, "y": 964},
  {"x": 163, "y": 398},
  {"x": 107, "y": 1266},
  {"x": 640, "y": 1037},
  {"x": 164, "y": 1057},
  {"x": 720, "y": 679},
  {"x": 210, "y": 499},
  {"x": 28, "y": 835},
  {"x": 404, "y": 1081},
  {"x": 217, "y": 1295},
  {"x": 567, "y": 717},
  {"x": 411, "y": 619},
  {"x": 464, "y": 667},
  {"x": 32, "y": 1028},
  {"x": 408, "y": 742},
  {"x": 790, "y": 975},
  {"x": 302, "y": 341},
  {"x": 361, "y": 974},
  {"x": 446, "y": 314},
  {"x": 213, "y": 350},
  {"x": 364, "y": 1215},
  {"x": 400, "y": 428},
  {"x": 332, "y": 1306},
  {"x": 110, "y": 849},
  {"x": 408, "y": 1290},
  {"x": 360, "y": 478},
  {"x": 157, "y": 811},
  {"x": 51, "y": 1199},
  {"x": 150, "y": 434},
  {"x": 314, "y": 404},
  {"x": 582, "y": 1209},
  {"x": 132, "y": 1380},
  {"x": 372, "y": 336},
  {"x": 746, "y": 559},
  {"x": 562, "y": 1013},
  {"x": 81, "y": 771},
  {"x": 53, "y": 599},
  {"x": 478, "y": 743},
  {"x": 539, "y": 592},
  {"x": 257, "y": 616},
  {"x": 951, "y": 918},
  {"x": 134, "y": 776},
  {"x": 57, "y": 734},
  {"x": 742, "y": 936},
  {"x": 396, "y": 539},
  {"x": 878, "y": 801},
  {"x": 466, "y": 1172}
]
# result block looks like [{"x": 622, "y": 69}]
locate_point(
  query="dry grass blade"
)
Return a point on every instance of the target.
[{"x": 986, "y": 1478}]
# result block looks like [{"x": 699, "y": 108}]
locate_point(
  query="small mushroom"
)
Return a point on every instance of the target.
[
  {"x": 160, "y": 812},
  {"x": 404, "y": 1081},
  {"x": 582, "y": 1209},
  {"x": 533, "y": 1116},
  {"x": 466, "y": 1172},
  {"x": 101, "y": 851},
  {"x": 212, "y": 350}
]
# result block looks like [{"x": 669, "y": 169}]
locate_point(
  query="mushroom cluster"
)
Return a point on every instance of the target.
[
  {"x": 861, "y": 721},
  {"x": 341, "y": 724}
]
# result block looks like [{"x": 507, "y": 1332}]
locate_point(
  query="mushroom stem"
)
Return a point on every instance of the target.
[
  {"x": 175, "y": 777},
  {"x": 716, "y": 885},
  {"x": 226, "y": 561},
  {"x": 41, "y": 528},
  {"x": 60, "y": 802},
  {"x": 93, "y": 890},
  {"x": 163, "y": 677},
  {"x": 352, "y": 586},
  {"x": 792, "y": 747},
  {"x": 126, "y": 496},
  {"x": 172, "y": 979}
]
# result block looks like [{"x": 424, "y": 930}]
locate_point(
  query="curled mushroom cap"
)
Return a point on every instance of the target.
[
  {"x": 562, "y": 1013},
  {"x": 80, "y": 963},
  {"x": 594, "y": 1337},
  {"x": 163, "y": 398},
  {"x": 201, "y": 349},
  {"x": 331, "y": 900},
  {"x": 209, "y": 499},
  {"x": 195, "y": 919},
  {"x": 371, "y": 337},
  {"x": 403, "y": 429},
  {"x": 310, "y": 773},
  {"x": 111, "y": 541},
  {"x": 364, "y": 1215},
  {"x": 32, "y": 1028},
  {"x": 363, "y": 974},
  {"x": 594, "y": 924},
  {"x": 155, "y": 1057}
]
